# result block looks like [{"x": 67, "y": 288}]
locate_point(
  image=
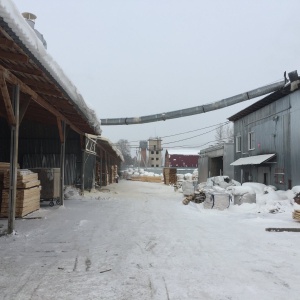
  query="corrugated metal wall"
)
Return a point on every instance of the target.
[
  {"x": 89, "y": 170},
  {"x": 271, "y": 126},
  {"x": 39, "y": 146},
  {"x": 202, "y": 169},
  {"x": 295, "y": 138},
  {"x": 228, "y": 158},
  {"x": 214, "y": 160},
  {"x": 31, "y": 161}
]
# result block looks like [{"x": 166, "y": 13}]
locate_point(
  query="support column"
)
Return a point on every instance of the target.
[
  {"x": 13, "y": 161},
  {"x": 62, "y": 162},
  {"x": 82, "y": 172},
  {"x": 101, "y": 168}
]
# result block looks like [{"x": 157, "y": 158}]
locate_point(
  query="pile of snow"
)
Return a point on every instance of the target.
[
  {"x": 137, "y": 172},
  {"x": 180, "y": 177},
  {"x": 71, "y": 192},
  {"x": 188, "y": 176}
]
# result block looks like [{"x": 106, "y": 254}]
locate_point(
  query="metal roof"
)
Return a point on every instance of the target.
[
  {"x": 252, "y": 160},
  {"x": 261, "y": 103},
  {"x": 187, "y": 152}
]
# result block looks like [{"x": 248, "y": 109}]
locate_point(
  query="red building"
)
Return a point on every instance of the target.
[{"x": 182, "y": 158}]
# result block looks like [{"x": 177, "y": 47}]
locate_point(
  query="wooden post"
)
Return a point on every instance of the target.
[
  {"x": 101, "y": 168},
  {"x": 82, "y": 171},
  {"x": 13, "y": 161},
  {"x": 62, "y": 162}
]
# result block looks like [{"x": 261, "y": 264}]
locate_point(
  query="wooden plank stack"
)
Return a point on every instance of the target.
[
  {"x": 296, "y": 214},
  {"x": 170, "y": 176},
  {"x": 156, "y": 179},
  {"x": 28, "y": 192}
]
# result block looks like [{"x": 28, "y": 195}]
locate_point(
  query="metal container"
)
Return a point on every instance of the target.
[{"x": 50, "y": 182}]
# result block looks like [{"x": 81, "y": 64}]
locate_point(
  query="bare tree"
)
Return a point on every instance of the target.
[
  {"x": 224, "y": 134},
  {"x": 219, "y": 134},
  {"x": 124, "y": 147}
]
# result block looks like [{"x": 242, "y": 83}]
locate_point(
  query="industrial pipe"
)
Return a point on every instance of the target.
[{"x": 197, "y": 109}]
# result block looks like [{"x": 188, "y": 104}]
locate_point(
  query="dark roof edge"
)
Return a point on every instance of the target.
[{"x": 286, "y": 90}]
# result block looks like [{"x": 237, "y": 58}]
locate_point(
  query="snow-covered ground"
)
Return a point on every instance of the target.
[{"x": 138, "y": 241}]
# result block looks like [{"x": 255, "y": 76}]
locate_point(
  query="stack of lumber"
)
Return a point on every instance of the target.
[
  {"x": 147, "y": 178},
  {"x": 170, "y": 176},
  {"x": 114, "y": 171},
  {"x": 296, "y": 214},
  {"x": 28, "y": 193},
  {"x": 4, "y": 168}
]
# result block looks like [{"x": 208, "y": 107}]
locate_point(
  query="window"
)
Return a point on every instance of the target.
[
  {"x": 157, "y": 152},
  {"x": 152, "y": 158},
  {"x": 156, "y": 158},
  {"x": 154, "y": 147},
  {"x": 152, "y": 166},
  {"x": 157, "y": 165},
  {"x": 279, "y": 175},
  {"x": 152, "y": 152},
  {"x": 251, "y": 138},
  {"x": 238, "y": 143}
]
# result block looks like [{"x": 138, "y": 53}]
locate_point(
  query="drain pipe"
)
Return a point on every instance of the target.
[{"x": 199, "y": 109}]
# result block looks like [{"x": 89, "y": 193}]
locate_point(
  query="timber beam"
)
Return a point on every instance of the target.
[
  {"x": 35, "y": 97},
  {"x": 14, "y": 56},
  {"x": 7, "y": 101},
  {"x": 5, "y": 42}
]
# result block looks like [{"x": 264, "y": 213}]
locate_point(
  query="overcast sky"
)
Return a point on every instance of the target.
[{"x": 133, "y": 58}]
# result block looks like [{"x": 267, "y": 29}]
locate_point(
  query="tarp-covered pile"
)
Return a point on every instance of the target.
[{"x": 221, "y": 192}]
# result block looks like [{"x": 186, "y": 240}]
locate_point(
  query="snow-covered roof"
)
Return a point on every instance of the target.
[
  {"x": 27, "y": 36},
  {"x": 185, "y": 151},
  {"x": 252, "y": 160},
  {"x": 112, "y": 146}
]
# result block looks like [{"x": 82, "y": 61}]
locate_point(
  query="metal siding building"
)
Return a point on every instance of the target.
[
  {"x": 275, "y": 123},
  {"x": 215, "y": 161}
]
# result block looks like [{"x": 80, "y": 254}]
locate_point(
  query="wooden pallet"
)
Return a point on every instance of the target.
[{"x": 296, "y": 214}]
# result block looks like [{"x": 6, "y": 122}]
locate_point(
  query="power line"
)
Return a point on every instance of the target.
[
  {"x": 166, "y": 136},
  {"x": 194, "y": 136},
  {"x": 199, "y": 146},
  {"x": 137, "y": 146}
]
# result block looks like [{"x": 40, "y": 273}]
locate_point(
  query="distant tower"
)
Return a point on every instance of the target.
[
  {"x": 30, "y": 19},
  {"x": 155, "y": 149},
  {"x": 143, "y": 154}
]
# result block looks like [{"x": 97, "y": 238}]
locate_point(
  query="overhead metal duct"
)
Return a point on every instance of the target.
[{"x": 198, "y": 109}]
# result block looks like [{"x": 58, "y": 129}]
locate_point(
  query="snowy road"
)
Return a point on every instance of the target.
[{"x": 140, "y": 242}]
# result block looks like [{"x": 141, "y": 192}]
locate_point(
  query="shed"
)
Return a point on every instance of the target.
[
  {"x": 215, "y": 161},
  {"x": 44, "y": 120}
]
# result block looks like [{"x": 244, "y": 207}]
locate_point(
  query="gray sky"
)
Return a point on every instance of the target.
[{"x": 133, "y": 58}]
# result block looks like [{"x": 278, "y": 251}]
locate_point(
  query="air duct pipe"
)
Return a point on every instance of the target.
[{"x": 198, "y": 109}]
